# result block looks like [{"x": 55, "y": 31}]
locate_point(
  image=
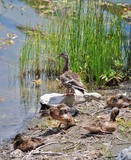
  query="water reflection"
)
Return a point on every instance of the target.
[
  {"x": 30, "y": 92},
  {"x": 20, "y": 98},
  {"x": 126, "y": 47},
  {"x": 122, "y": 10}
]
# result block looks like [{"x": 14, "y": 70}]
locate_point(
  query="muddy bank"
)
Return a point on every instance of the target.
[{"x": 76, "y": 142}]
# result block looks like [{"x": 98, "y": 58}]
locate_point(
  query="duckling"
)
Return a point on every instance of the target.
[
  {"x": 1, "y": 99},
  {"x": 68, "y": 78},
  {"x": 26, "y": 143},
  {"x": 10, "y": 38},
  {"x": 105, "y": 126},
  {"x": 61, "y": 113},
  {"x": 11, "y": 35},
  {"x": 119, "y": 100},
  {"x": 37, "y": 81}
]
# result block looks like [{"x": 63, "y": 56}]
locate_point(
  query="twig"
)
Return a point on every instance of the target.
[
  {"x": 99, "y": 111},
  {"x": 33, "y": 151},
  {"x": 73, "y": 154},
  {"x": 123, "y": 143},
  {"x": 111, "y": 156},
  {"x": 109, "y": 146},
  {"x": 51, "y": 153},
  {"x": 85, "y": 113},
  {"x": 121, "y": 139},
  {"x": 71, "y": 147}
]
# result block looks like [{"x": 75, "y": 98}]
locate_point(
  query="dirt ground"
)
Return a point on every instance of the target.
[{"x": 76, "y": 143}]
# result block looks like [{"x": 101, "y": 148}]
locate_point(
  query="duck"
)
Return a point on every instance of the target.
[
  {"x": 26, "y": 143},
  {"x": 119, "y": 100},
  {"x": 11, "y": 35},
  {"x": 61, "y": 113},
  {"x": 37, "y": 81},
  {"x": 104, "y": 126},
  {"x": 69, "y": 79}
]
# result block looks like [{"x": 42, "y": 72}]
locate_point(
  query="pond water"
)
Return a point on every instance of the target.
[
  {"x": 19, "y": 101},
  {"x": 120, "y": 1}
]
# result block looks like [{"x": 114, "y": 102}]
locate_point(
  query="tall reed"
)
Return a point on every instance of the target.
[
  {"x": 92, "y": 37},
  {"x": 36, "y": 57},
  {"x": 31, "y": 53}
]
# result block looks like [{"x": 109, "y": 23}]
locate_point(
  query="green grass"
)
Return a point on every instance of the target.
[
  {"x": 34, "y": 61},
  {"x": 93, "y": 49},
  {"x": 92, "y": 39}
]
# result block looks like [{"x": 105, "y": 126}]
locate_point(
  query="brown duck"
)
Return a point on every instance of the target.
[
  {"x": 70, "y": 79},
  {"x": 37, "y": 81},
  {"x": 61, "y": 113},
  {"x": 104, "y": 126},
  {"x": 119, "y": 100},
  {"x": 26, "y": 143}
]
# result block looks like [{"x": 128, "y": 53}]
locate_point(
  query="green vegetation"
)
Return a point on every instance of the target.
[
  {"x": 92, "y": 39},
  {"x": 124, "y": 125},
  {"x": 30, "y": 58},
  {"x": 3, "y": 3}
]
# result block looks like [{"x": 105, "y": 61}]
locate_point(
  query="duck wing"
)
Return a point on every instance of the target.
[
  {"x": 94, "y": 129},
  {"x": 74, "y": 77},
  {"x": 109, "y": 127},
  {"x": 71, "y": 83},
  {"x": 54, "y": 113}
]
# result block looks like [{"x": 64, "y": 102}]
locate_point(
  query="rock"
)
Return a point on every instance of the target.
[
  {"x": 57, "y": 98},
  {"x": 16, "y": 154},
  {"x": 125, "y": 154},
  {"x": 93, "y": 95},
  {"x": 52, "y": 98}
]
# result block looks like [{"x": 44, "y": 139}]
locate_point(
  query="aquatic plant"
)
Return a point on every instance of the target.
[
  {"x": 3, "y": 3},
  {"x": 91, "y": 36},
  {"x": 33, "y": 59},
  {"x": 30, "y": 53},
  {"x": 124, "y": 125}
]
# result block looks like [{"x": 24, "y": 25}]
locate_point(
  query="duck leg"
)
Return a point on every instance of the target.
[{"x": 70, "y": 92}]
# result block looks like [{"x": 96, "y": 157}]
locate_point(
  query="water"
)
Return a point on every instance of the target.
[
  {"x": 19, "y": 100},
  {"x": 120, "y": 1}
]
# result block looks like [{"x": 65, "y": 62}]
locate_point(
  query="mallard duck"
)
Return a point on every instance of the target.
[
  {"x": 119, "y": 100},
  {"x": 70, "y": 79},
  {"x": 26, "y": 143},
  {"x": 61, "y": 113},
  {"x": 104, "y": 126}
]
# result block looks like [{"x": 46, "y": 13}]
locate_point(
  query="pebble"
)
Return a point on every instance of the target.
[
  {"x": 125, "y": 154},
  {"x": 16, "y": 154}
]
